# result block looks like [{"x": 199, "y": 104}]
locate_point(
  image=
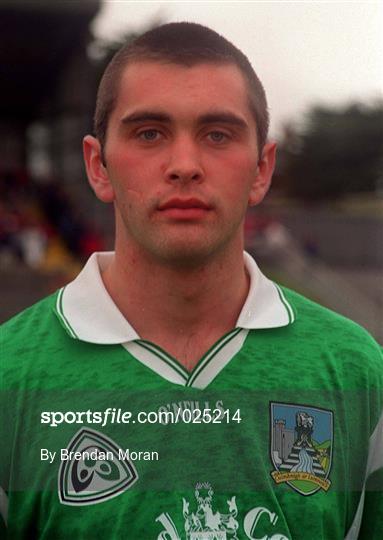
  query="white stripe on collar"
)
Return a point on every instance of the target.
[
  {"x": 205, "y": 371},
  {"x": 88, "y": 313}
]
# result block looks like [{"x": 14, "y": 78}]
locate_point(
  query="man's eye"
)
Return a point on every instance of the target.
[
  {"x": 149, "y": 135},
  {"x": 218, "y": 136}
]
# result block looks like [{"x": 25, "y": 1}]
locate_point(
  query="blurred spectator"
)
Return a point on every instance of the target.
[{"x": 41, "y": 227}]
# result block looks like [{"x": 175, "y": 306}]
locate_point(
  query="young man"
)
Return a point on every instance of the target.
[{"x": 172, "y": 391}]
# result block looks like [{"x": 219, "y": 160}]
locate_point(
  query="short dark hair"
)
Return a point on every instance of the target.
[{"x": 186, "y": 44}]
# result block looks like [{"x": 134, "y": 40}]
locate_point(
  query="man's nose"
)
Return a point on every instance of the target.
[{"x": 184, "y": 161}]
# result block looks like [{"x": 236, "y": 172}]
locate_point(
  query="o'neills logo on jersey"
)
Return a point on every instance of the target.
[
  {"x": 301, "y": 446},
  {"x": 96, "y": 473}
]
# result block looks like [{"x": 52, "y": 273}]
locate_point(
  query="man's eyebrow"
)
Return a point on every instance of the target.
[
  {"x": 144, "y": 116},
  {"x": 222, "y": 118},
  {"x": 208, "y": 118}
]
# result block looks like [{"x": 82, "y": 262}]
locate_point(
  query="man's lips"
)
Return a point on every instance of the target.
[
  {"x": 184, "y": 204},
  {"x": 185, "y": 209}
]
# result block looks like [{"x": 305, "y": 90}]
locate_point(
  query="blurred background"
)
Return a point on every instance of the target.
[{"x": 320, "y": 230}]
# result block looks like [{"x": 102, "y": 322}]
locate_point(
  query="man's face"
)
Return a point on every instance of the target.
[{"x": 181, "y": 160}]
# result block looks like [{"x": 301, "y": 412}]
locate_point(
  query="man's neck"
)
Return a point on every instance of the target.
[{"x": 182, "y": 310}]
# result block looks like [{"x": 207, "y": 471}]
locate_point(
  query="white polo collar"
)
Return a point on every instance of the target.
[{"x": 89, "y": 314}]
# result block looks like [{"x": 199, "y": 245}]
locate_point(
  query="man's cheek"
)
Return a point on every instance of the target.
[
  {"x": 135, "y": 195},
  {"x": 127, "y": 196}
]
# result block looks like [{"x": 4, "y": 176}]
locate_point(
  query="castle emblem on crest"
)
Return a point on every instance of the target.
[
  {"x": 301, "y": 446},
  {"x": 203, "y": 523}
]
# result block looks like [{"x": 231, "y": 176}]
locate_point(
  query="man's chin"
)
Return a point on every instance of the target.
[{"x": 186, "y": 255}]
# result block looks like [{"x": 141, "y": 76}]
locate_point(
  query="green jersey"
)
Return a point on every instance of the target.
[{"x": 276, "y": 434}]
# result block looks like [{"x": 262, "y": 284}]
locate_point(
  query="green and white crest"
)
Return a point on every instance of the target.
[
  {"x": 95, "y": 470},
  {"x": 301, "y": 445}
]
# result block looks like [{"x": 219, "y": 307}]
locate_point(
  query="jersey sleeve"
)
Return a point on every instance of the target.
[
  {"x": 372, "y": 519},
  {"x": 371, "y": 527}
]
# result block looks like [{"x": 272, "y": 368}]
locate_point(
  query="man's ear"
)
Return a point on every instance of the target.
[
  {"x": 264, "y": 174},
  {"x": 96, "y": 170}
]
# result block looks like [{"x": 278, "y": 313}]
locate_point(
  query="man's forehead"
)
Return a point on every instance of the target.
[
  {"x": 155, "y": 76},
  {"x": 147, "y": 85}
]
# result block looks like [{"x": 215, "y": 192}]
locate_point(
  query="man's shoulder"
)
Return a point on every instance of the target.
[
  {"x": 33, "y": 340},
  {"x": 31, "y": 325},
  {"x": 313, "y": 320},
  {"x": 36, "y": 311}
]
